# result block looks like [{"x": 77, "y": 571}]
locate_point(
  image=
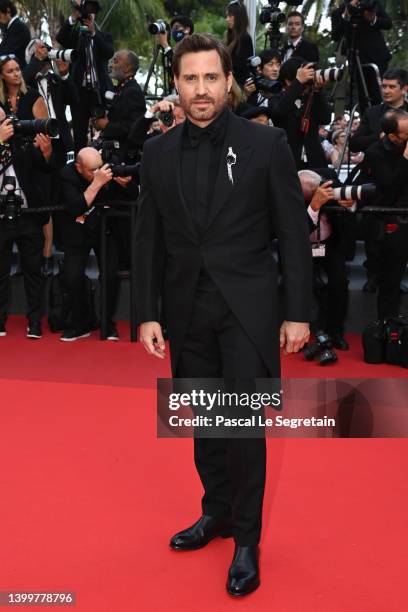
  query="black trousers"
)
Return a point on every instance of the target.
[
  {"x": 232, "y": 470},
  {"x": 27, "y": 233},
  {"x": 394, "y": 259},
  {"x": 334, "y": 264},
  {"x": 81, "y": 113},
  {"x": 75, "y": 261}
]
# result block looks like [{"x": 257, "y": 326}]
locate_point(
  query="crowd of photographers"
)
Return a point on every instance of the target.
[{"x": 93, "y": 160}]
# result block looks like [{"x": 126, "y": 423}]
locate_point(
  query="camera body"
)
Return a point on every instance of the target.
[
  {"x": 10, "y": 202},
  {"x": 86, "y": 8},
  {"x": 110, "y": 153},
  {"x": 272, "y": 13},
  {"x": 357, "y": 12},
  {"x": 322, "y": 350}
]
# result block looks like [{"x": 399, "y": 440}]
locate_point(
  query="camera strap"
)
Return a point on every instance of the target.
[{"x": 318, "y": 249}]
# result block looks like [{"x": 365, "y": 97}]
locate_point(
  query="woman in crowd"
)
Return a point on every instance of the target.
[{"x": 239, "y": 42}]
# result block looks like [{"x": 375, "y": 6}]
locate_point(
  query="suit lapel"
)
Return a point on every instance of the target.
[
  {"x": 235, "y": 147},
  {"x": 171, "y": 169}
]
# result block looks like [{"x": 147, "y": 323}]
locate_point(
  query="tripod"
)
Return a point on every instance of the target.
[
  {"x": 274, "y": 36},
  {"x": 156, "y": 64}
]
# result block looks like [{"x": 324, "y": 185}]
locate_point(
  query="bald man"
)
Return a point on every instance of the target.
[{"x": 85, "y": 183}]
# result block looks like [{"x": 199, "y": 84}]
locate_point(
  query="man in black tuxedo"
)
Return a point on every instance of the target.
[
  {"x": 300, "y": 108},
  {"x": 213, "y": 191},
  {"x": 19, "y": 163},
  {"x": 16, "y": 35},
  {"x": 386, "y": 164},
  {"x": 395, "y": 88},
  {"x": 296, "y": 45},
  {"x": 90, "y": 71},
  {"x": 128, "y": 105}
]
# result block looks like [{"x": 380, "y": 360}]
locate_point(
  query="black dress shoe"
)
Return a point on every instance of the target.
[
  {"x": 243, "y": 575},
  {"x": 339, "y": 342},
  {"x": 203, "y": 531},
  {"x": 34, "y": 330}
]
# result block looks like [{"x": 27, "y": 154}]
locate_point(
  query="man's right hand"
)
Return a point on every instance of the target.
[
  {"x": 163, "y": 40},
  {"x": 76, "y": 14},
  {"x": 323, "y": 194},
  {"x": 6, "y": 130},
  {"x": 41, "y": 51},
  {"x": 249, "y": 86},
  {"x": 151, "y": 337},
  {"x": 102, "y": 176},
  {"x": 162, "y": 107},
  {"x": 306, "y": 74}
]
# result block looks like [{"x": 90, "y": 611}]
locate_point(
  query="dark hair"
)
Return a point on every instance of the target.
[
  {"x": 241, "y": 23},
  {"x": 201, "y": 42},
  {"x": 295, "y": 14},
  {"x": 289, "y": 69},
  {"x": 396, "y": 74},
  {"x": 255, "y": 111},
  {"x": 391, "y": 119},
  {"x": 5, "y": 5},
  {"x": 268, "y": 55},
  {"x": 184, "y": 21}
]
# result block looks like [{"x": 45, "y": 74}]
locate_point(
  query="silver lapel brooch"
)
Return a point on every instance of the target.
[{"x": 231, "y": 161}]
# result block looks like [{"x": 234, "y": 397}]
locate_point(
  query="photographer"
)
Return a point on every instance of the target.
[
  {"x": 386, "y": 164},
  {"x": 180, "y": 26},
  {"x": 359, "y": 23},
  {"x": 300, "y": 109},
  {"x": 332, "y": 239},
  {"x": 129, "y": 102},
  {"x": 168, "y": 109},
  {"x": 395, "y": 88},
  {"x": 16, "y": 35},
  {"x": 85, "y": 183},
  {"x": 297, "y": 45},
  {"x": 20, "y": 158},
  {"x": 90, "y": 71},
  {"x": 258, "y": 90}
]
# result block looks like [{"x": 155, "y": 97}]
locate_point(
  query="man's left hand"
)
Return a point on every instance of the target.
[
  {"x": 123, "y": 181},
  {"x": 100, "y": 124},
  {"x": 293, "y": 336},
  {"x": 370, "y": 16},
  {"x": 346, "y": 203},
  {"x": 43, "y": 143},
  {"x": 318, "y": 83}
]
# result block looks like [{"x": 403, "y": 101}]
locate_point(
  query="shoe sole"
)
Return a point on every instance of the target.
[
  {"x": 76, "y": 338},
  {"x": 34, "y": 336},
  {"x": 225, "y": 535},
  {"x": 113, "y": 338}
]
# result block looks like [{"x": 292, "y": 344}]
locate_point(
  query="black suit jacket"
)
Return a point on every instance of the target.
[
  {"x": 370, "y": 127},
  {"x": 306, "y": 49},
  {"x": 15, "y": 40},
  {"x": 386, "y": 166},
  {"x": 70, "y": 37},
  {"x": 63, "y": 94},
  {"x": 285, "y": 114},
  {"x": 265, "y": 198},
  {"x": 369, "y": 39},
  {"x": 127, "y": 107}
]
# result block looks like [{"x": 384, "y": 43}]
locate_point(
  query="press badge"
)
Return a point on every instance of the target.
[{"x": 319, "y": 250}]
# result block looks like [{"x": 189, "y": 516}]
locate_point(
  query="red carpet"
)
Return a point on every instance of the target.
[{"x": 90, "y": 496}]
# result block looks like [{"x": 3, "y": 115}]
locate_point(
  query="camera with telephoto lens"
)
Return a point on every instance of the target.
[
  {"x": 330, "y": 75},
  {"x": 261, "y": 83},
  {"x": 32, "y": 127},
  {"x": 66, "y": 55},
  {"x": 354, "y": 192},
  {"x": 322, "y": 350},
  {"x": 110, "y": 153},
  {"x": 10, "y": 202},
  {"x": 158, "y": 27},
  {"x": 272, "y": 13},
  {"x": 86, "y": 8}
]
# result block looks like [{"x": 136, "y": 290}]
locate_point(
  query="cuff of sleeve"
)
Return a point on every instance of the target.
[
  {"x": 166, "y": 50},
  {"x": 148, "y": 115},
  {"x": 71, "y": 21},
  {"x": 65, "y": 77},
  {"x": 313, "y": 214}
]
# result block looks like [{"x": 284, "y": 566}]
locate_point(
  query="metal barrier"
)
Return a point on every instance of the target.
[{"x": 110, "y": 209}]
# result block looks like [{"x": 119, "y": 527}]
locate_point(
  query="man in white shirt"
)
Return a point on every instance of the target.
[{"x": 16, "y": 34}]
